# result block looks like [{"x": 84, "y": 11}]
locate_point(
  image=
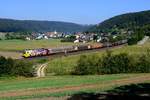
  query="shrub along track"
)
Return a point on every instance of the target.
[{"x": 125, "y": 81}]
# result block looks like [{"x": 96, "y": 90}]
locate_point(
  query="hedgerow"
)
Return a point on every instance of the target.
[{"x": 113, "y": 64}]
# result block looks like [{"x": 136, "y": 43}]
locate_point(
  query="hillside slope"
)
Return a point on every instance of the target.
[
  {"x": 127, "y": 21},
  {"x": 10, "y": 25}
]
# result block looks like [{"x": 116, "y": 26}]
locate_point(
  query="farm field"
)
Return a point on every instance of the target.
[
  {"x": 18, "y": 45},
  {"x": 13, "y": 48},
  {"x": 14, "y": 55},
  {"x": 59, "y": 86}
]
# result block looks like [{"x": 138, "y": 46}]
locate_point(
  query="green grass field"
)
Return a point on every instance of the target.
[
  {"x": 16, "y": 45},
  {"x": 25, "y": 84},
  {"x": 56, "y": 81},
  {"x": 10, "y": 48}
]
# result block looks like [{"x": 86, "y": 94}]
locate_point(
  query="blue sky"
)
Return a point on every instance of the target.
[{"x": 77, "y": 11}]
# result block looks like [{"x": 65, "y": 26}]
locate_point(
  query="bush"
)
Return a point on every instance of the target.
[
  {"x": 23, "y": 68},
  {"x": 15, "y": 67},
  {"x": 81, "y": 68},
  {"x": 86, "y": 65},
  {"x": 135, "y": 38},
  {"x": 143, "y": 64},
  {"x": 10, "y": 36},
  {"x": 5, "y": 65},
  {"x": 113, "y": 64}
]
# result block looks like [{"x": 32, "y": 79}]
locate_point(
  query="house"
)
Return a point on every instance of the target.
[
  {"x": 28, "y": 38},
  {"x": 54, "y": 34}
]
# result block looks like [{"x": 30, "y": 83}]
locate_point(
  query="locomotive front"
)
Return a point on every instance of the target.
[{"x": 35, "y": 53}]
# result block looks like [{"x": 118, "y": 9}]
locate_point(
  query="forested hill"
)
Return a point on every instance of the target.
[
  {"x": 127, "y": 21},
  {"x": 10, "y": 25}
]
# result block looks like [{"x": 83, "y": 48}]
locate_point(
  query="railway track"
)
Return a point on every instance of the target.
[{"x": 73, "y": 53}]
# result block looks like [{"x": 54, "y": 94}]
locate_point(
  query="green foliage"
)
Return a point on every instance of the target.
[
  {"x": 127, "y": 21},
  {"x": 146, "y": 29},
  {"x": 15, "y": 67},
  {"x": 22, "y": 68},
  {"x": 113, "y": 64},
  {"x": 71, "y": 38},
  {"x": 117, "y": 38},
  {"x": 143, "y": 64},
  {"x": 5, "y": 65},
  {"x": 10, "y": 36},
  {"x": 41, "y": 61},
  {"x": 86, "y": 65},
  {"x": 137, "y": 36}
]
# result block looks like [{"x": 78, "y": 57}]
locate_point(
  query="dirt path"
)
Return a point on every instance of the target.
[
  {"x": 138, "y": 79},
  {"x": 41, "y": 70}
]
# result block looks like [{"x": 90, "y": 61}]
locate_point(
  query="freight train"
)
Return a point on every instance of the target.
[{"x": 68, "y": 49}]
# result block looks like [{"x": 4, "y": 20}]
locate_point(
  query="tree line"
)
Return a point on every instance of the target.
[{"x": 113, "y": 64}]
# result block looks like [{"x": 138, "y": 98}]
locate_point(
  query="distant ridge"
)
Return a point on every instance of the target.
[{"x": 11, "y": 25}]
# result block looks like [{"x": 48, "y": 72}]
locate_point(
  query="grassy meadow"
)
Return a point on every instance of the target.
[
  {"x": 13, "y": 48},
  {"x": 56, "y": 81},
  {"x": 17, "y": 45},
  {"x": 19, "y": 85}
]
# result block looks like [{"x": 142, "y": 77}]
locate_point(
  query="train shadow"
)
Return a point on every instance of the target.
[{"x": 127, "y": 92}]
